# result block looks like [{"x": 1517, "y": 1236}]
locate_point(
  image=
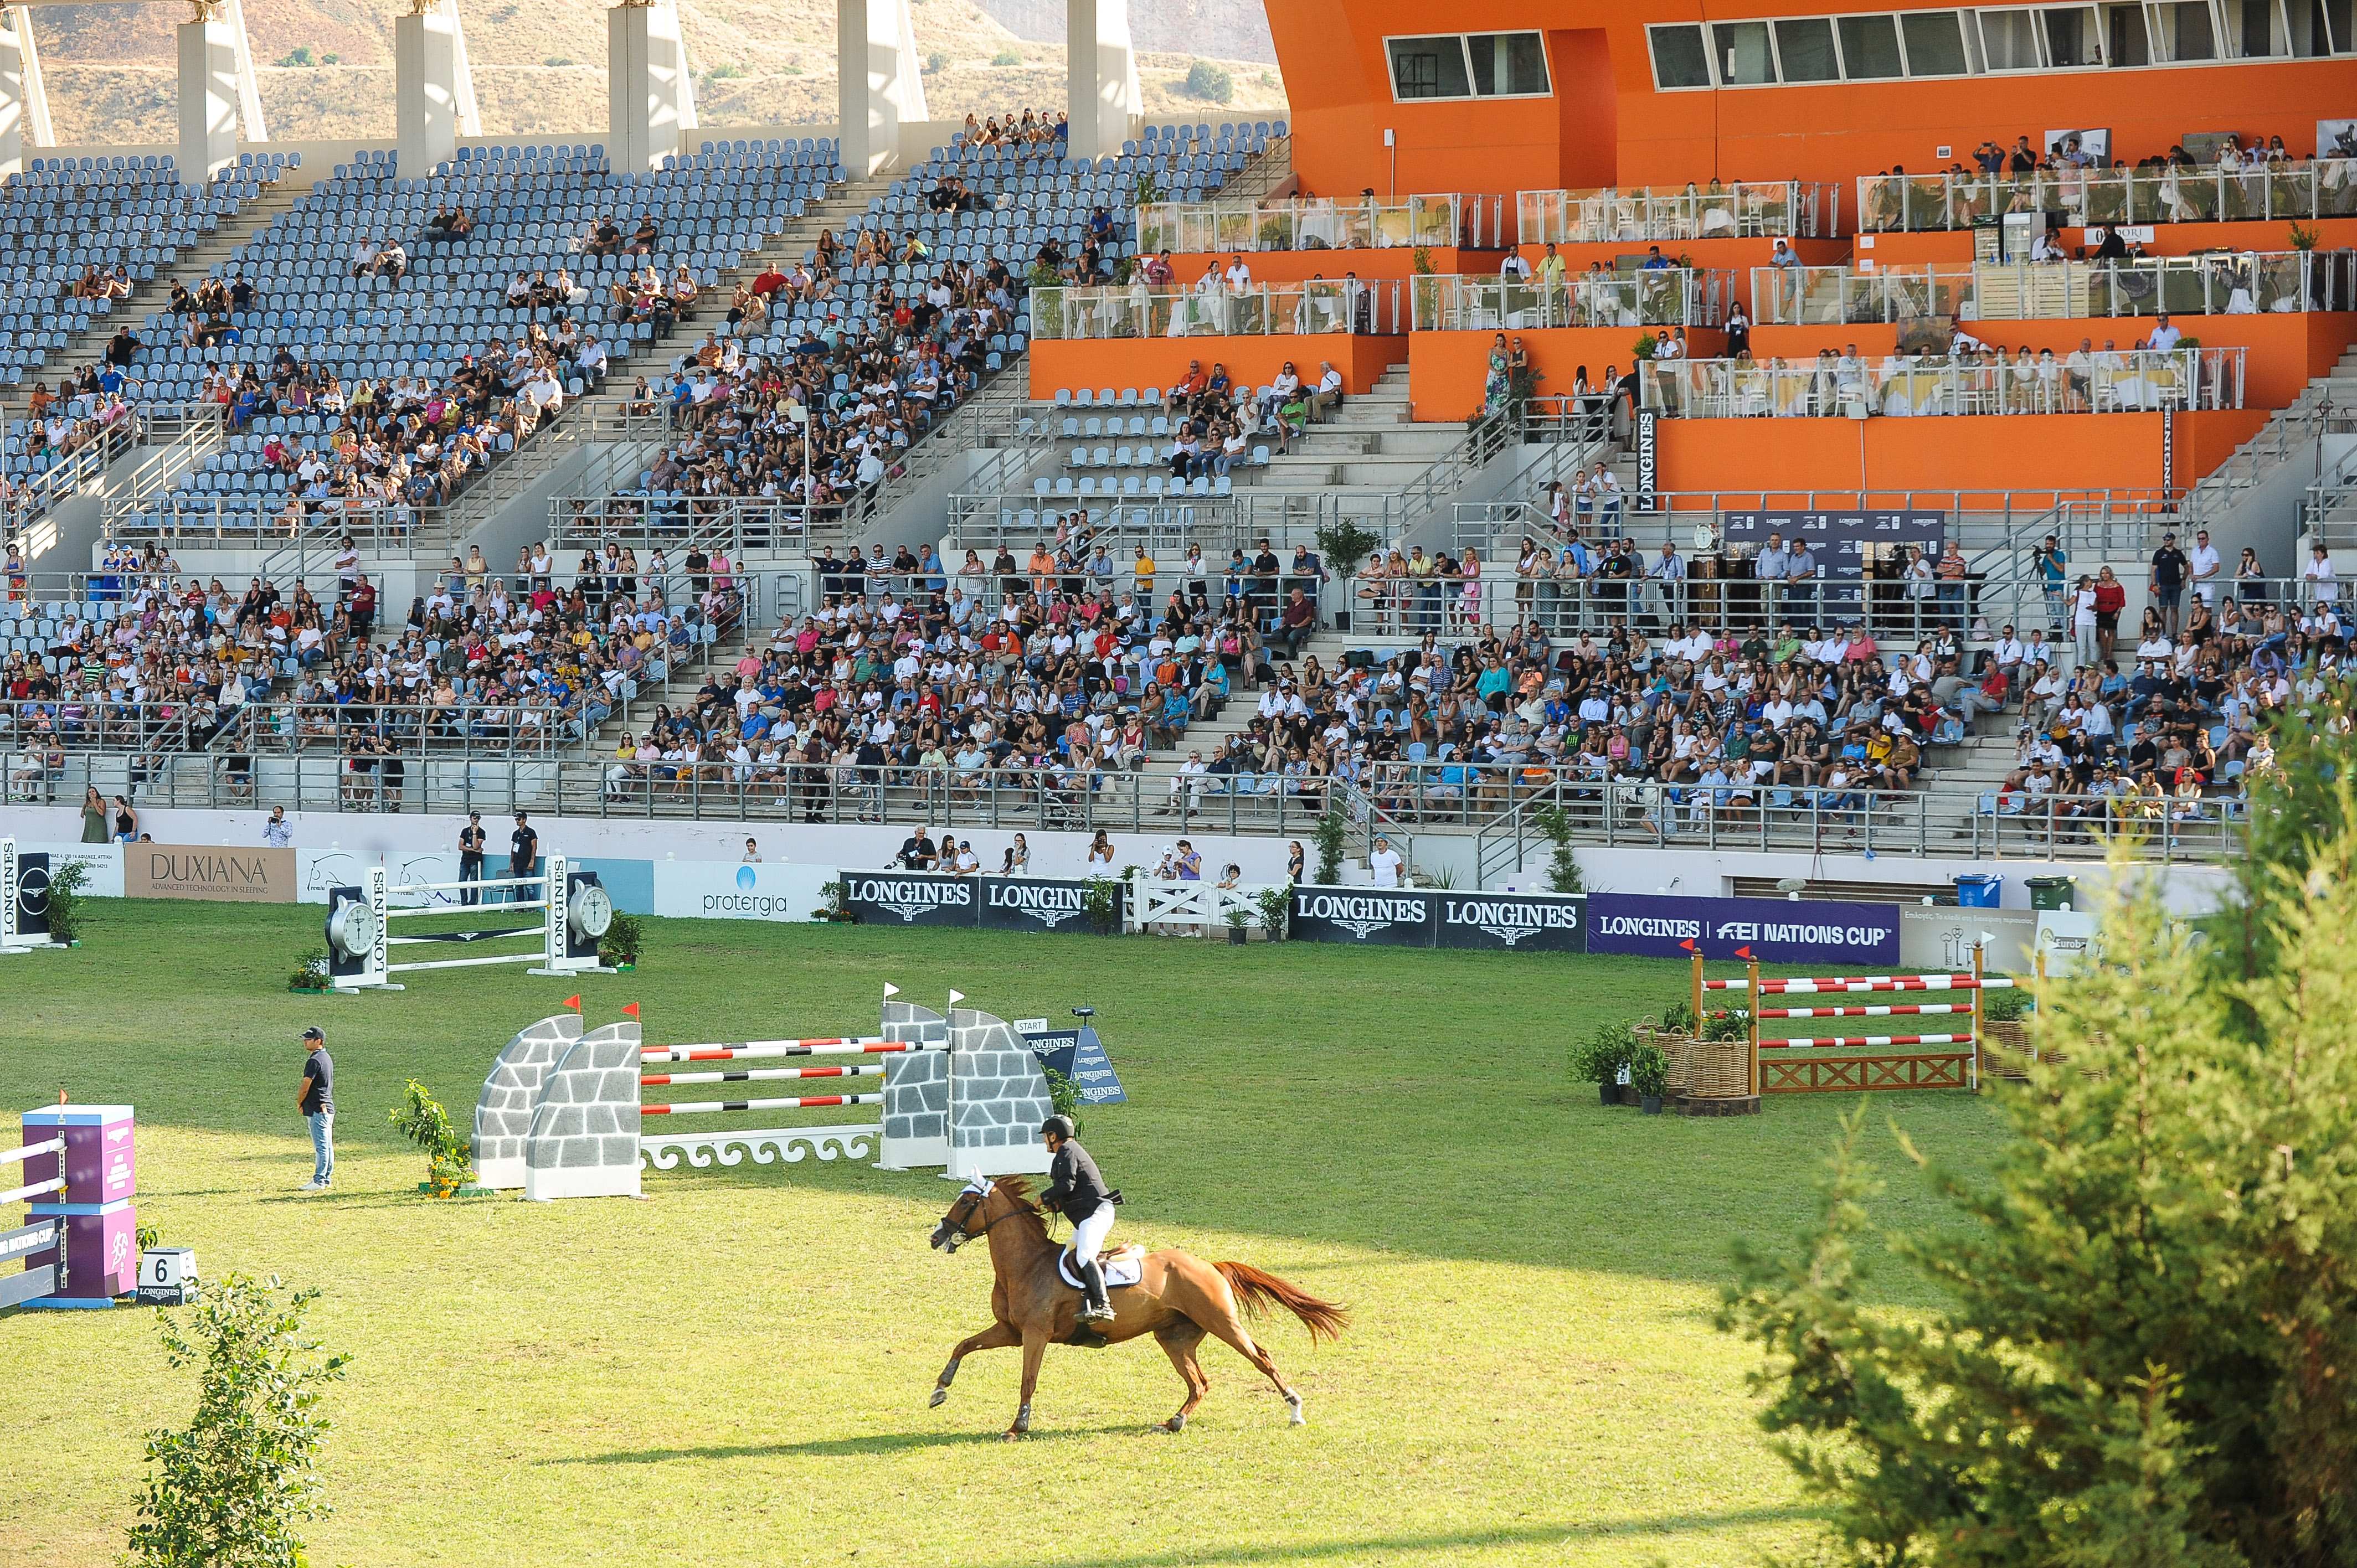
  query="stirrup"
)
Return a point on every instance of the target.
[{"x": 1093, "y": 1312}]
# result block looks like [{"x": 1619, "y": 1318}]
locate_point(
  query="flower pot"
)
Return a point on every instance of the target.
[
  {"x": 1238, "y": 936},
  {"x": 1611, "y": 1093},
  {"x": 1650, "y": 1104}
]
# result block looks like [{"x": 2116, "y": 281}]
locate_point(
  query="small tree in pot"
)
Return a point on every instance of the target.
[
  {"x": 1649, "y": 1074},
  {"x": 1599, "y": 1058},
  {"x": 1276, "y": 909},
  {"x": 1238, "y": 918}
]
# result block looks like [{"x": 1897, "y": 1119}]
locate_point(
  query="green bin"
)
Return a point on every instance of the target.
[{"x": 2052, "y": 892}]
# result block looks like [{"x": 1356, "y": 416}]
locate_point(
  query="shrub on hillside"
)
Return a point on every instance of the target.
[{"x": 1210, "y": 82}]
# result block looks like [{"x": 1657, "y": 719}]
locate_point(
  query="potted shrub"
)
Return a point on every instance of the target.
[
  {"x": 1237, "y": 920},
  {"x": 310, "y": 974},
  {"x": 66, "y": 879},
  {"x": 2004, "y": 1032},
  {"x": 1600, "y": 1058},
  {"x": 1101, "y": 901},
  {"x": 449, "y": 1162},
  {"x": 1276, "y": 909},
  {"x": 1722, "y": 1057},
  {"x": 832, "y": 910},
  {"x": 1649, "y": 1075},
  {"x": 620, "y": 947}
]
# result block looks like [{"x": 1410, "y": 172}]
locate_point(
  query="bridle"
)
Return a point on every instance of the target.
[{"x": 960, "y": 1235}]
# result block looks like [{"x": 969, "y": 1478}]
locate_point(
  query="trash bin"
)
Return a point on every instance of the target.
[
  {"x": 2052, "y": 892},
  {"x": 1974, "y": 892}
]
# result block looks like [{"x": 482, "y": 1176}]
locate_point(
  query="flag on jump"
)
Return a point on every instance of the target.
[
  {"x": 890, "y": 991},
  {"x": 631, "y": 1009},
  {"x": 573, "y": 1002},
  {"x": 956, "y": 997}
]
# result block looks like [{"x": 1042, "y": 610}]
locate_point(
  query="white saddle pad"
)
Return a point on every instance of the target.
[{"x": 1120, "y": 1269}]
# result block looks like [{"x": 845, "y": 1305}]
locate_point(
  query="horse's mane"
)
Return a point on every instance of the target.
[{"x": 1017, "y": 1188}]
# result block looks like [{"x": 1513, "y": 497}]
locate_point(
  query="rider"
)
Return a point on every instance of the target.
[{"x": 1077, "y": 1190}]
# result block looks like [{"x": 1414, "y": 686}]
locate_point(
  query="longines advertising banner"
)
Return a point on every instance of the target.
[
  {"x": 993, "y": 903},
  {"x": 1774, "y": 930},
  {"x": 1425, "y": 917}
]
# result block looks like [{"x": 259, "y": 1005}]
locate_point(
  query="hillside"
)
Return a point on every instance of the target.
[{"x": 540, "y": 67}]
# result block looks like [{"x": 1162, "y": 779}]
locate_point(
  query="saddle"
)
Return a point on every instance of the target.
[{"x": 1121, "y": 1265}]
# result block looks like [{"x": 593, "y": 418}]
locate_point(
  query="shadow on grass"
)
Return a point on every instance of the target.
[
  {"x": 834, "y": 1447},
  {"x": 1382, "y": 1547}
]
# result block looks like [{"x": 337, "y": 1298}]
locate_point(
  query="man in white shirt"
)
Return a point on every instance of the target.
[
  {"x": 1239, "y": 276},
  {"x": 1328, "y": 392},
  {"x": 2206, "y": 566},
  {"x": 2165, "y": 336},
  {"x": 1513, "y": 269},
  {"x": 1383, "y": 864}
]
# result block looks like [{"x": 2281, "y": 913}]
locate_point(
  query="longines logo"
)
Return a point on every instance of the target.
[
  {"x": 908, "y": 897},
  {"x": 1362, "y": 914},
  {"x": 1051, "y": 907},
  {"x": 1510, "y": 920}
]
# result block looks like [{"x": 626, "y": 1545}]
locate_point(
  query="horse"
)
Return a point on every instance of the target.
[{"x": 1178, "y": 1298}]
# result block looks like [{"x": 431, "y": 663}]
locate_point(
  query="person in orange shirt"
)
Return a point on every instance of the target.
[{"x": 1042, "y": 566}]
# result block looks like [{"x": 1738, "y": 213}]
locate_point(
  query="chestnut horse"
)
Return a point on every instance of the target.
[{"x": 1179, "y": 1299}]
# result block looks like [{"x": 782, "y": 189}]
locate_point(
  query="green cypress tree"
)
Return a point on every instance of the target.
[{"x": 2148, "y": 1351}]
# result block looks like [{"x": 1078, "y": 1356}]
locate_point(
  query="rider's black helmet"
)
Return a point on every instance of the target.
[{"x": 1059, "y": 1125}]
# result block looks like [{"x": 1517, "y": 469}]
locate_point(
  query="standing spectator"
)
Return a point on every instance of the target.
[
  {"x": 2320, "y": 585},
  {"x": 1383, "y": 863},
  {"x": 2169, "y": 564},
  {"x": 278, "y": 832},
  {"x": 2206, "y": 569},
  {"x": 1954, "y": 594},
  {"x": 2050, "y": 562},
  {"x": 93, "y": 817},
  {"x": 523, "y": 849},
  {"x": 2082, "y": 620},
  {"x": 1187, "y": 863},
  {"x": 1801, "y": 584},
  {"x": 1100, "y": 849},
  {"x": 1294, "y": 861},
  {"x": 127, "y": 821},
  {"x": 316, "y": 1100},
  {"x": 470, "y": 859},
  {"x": 2111, "y": 598}
]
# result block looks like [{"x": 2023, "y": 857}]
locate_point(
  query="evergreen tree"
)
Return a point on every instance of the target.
[{"x": 2148, "y": 1351}]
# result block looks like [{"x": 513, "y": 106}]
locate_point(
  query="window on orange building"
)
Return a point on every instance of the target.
[
  {"x": 2010, "y": 39},
  {"x": 1508, "y": 65},
  {"x": 1869, "y": 49},
  {"x": 1742, "y": 55},
  {"x": 2184, "y": 30},
  {"x": 1935, "y": 43},
  {"x": 1805, "y": 50},
  {"x": 1429, "y": 67},
  {"x": 2074, "y": 36},
  {"x": 2327, "y": 25},
  {"x": 2124, "y": 36},
  {"x": 1679, "y": 58},
  {"x": 2256, "y": 28}
]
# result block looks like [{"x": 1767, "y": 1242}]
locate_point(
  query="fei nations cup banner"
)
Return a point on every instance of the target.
[{"x": 1795, "y": 930}]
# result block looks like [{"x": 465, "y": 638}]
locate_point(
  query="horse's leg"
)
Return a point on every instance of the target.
[
  {"x": 998, "y": 1336},
  {"x": 1231, "y": 1329},
  {"x": 1035, "y": 1350},
  {"x": 1178, "y": 1339}
]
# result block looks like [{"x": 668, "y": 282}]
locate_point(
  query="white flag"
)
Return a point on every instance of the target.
[
  {"x": 956, "y": 997},
  {"x": 890, "y": 991}
]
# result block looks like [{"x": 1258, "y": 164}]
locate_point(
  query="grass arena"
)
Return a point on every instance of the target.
[{"x": 737, "y": 1369}]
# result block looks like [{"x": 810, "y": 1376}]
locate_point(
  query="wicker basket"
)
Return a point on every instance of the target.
[
  {"x": 1678, "y": 1048},
  {"x": 2005, "y": 1048},
  {"x": 1722, "y": 1070}
]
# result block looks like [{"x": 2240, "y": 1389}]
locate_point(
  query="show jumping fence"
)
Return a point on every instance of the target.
[
  {"x": 79, "y": 1243},
  {"x": 572, "y": 912},
  {"x": 1783, "y": 1062},
  {"x": 561, "y": 1112}
]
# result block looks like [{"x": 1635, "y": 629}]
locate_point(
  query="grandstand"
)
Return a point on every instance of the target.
[{"x": 1920, "y": 482}]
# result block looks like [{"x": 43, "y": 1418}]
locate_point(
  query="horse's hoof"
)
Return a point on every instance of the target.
[
  {"x": 939, "y": 1396},
  {"x": 1175, "y": 1424},
  {"x": 1009, "y": 1435}
]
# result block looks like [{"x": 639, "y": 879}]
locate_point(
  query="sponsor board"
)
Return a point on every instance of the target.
[
  {"x": 909, "y": 899},
  {"x": 217, "y": 873},
  {"x": 1033, "y": 904},
  {"x": 715, "y": 890},
  {"x": 1517, "y": 922},
  {"x": 1774, "y": 930},
  {"x": 1078, "y": 1054},
  {"x": 1384, "y": 917}
]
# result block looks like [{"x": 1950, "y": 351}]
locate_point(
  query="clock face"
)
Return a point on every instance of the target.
[
  {"x": 351, "y": 930},
  {"x": 591, "y": 911}
]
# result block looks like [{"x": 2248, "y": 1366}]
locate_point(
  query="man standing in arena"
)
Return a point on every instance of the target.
[
  {"x": 470, "y": 858},
  {"x": 523, "y": 849},
  {"x": 316, "y": 1100}
]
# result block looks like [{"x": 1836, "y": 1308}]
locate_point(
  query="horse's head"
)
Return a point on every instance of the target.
[{"x": 966, "y": 1218}]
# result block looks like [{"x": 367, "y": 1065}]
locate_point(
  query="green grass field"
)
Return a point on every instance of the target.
[{"x": 735, "y": 1370}]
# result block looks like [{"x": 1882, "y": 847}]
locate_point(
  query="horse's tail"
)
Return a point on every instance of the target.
[{"x": 1257, "y": 1291}]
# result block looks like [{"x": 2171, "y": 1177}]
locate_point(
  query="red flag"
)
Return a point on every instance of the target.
[
  {"x": 1688, "y": 944},
  {"x": 1744, "y": 953},
  {"x": 631, "y": 1009},
  {"x": 573, "y": 1002}
]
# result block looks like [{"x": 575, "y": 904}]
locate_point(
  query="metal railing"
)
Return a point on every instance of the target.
[
  {"x": 2221, "y": 283},
  {"x": 1790, "y": 209},
  {"x": 2105, "y": 382},
  {"x": 1399, "y": 799},
  {"x": 1665, "y": 297},
  {"x": 1321, "y": 224},
  {"x": 2319, "y": 188},
  {"x": 1137, "y": 310}
]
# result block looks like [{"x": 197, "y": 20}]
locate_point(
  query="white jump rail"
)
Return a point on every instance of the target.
[
  {"x": 573, "y": 913},
  {"x": 45, "y": 1233}
]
